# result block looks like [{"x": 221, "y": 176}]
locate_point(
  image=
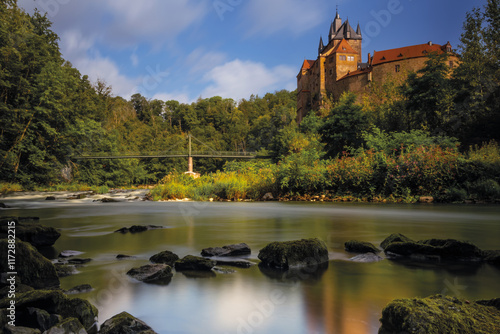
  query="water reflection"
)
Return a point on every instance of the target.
[
  {"x": 341, "y": 297},
  {"x": 310, "y": 273}
]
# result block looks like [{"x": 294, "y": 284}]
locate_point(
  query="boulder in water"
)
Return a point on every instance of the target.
[
  {"x": 32, "y": 268},
  {"x": 124, "y": 323},
  {"x": 194, "y": 263},
  {"x": 28, "y": 230},
  {"x": 395, "y": 237},
  {"x": 165, "y": 257},
  {"x": 439, "y": 314},
  {"x": 138, "y": 228},
  {"x": 152, "y": 273},
  {"x": 69, "y": 326},
  {"x": 44, "y": 308},
  {"x": 229, "y": 250},
  {"x": 436, "y": 249},
  {"x": 297, "y": 253},
  {"x": 354, "y": 246}
]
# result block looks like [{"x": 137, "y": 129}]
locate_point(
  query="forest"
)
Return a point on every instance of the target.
[{"x": 435, "y": 134}]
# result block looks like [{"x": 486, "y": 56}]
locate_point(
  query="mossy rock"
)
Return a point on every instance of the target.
[
  {"x": 152, "y": 273},
  {"x": 297, "y": 253},
  {"x": 54, "y": 303},
  {"x": 354, "y": 246},
  {"x": 439, "y": 314},
  {"x": 194, "y": 263},
  {"x": 395, "y": 237},
  {"x": 20, "y": 288},
  {"x": 447, "y": 249},
  {"x": 492, "y": 302},
  {"x": 492, "y": 257},
  {"x": 228, "y": 250},
  {"x": 64, "y": 270},
  {"x": 36, "y": 234},
  {"x": 20, "y": 330},
  {"x": 165, "y": 257},
  {"x": 124, "y": 323},
  {"x": 69, "y": 325},
  {"x": 32, "y": 268}
]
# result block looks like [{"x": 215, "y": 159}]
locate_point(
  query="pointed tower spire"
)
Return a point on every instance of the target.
[
  {"x": 358, "y": 30},
  {"x": 321, "y": 45},
  {"x": 332, "y": 33},
  {"x": 337, "y": 23},
  {"x": 347, "y": 29}
]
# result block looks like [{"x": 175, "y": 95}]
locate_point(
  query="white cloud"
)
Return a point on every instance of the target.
[
  {"x": 295, "y": 16},
  {"x": 79, "y": 50},
  {"x": 152, "y": 21},
  {"x": 123, "y": 23},
  {"x": 177, "y": 96},
  {"x": 199, "y": 60},
  {"x": 240, "y": 79}
]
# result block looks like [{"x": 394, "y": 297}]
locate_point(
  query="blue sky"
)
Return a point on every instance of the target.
[{"x": 185, "y": 49}]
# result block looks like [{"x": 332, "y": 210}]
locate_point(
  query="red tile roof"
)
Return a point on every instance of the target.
[
  {"x": 353, "y": 73},
  {"x": 407, "y": 52},
  {"x": 343, "y": 47},
  {"x": 308, "y": 64}
]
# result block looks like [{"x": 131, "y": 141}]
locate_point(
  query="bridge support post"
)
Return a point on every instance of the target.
[{"x": 190, "y": 158}]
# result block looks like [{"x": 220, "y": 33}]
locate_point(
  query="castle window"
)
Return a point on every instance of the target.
[
  {"x": 341, "y": 57},
  {"x": 331, "y": 72},
  {"x": 350, "y": 58},
  {"x": 398, "y": 68}
]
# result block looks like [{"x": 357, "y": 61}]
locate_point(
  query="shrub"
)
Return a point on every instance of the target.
[{"x": 485, "y": 189}]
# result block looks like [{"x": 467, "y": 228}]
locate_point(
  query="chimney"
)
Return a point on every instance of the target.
[
  {"x": 369, "y": 58},
  {"x": 430, "y": 43}
]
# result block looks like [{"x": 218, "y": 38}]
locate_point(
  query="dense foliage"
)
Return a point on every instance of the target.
[{"x": 433, "y": 134}]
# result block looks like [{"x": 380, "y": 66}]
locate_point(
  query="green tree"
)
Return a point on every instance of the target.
[
  {"x": 344, "y": 125},
  {"x": 429, "y": 97}
]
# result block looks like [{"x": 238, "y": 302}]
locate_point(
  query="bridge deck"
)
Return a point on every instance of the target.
[{"x": 148, "y": 155}]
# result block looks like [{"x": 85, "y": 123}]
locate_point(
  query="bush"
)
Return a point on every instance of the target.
[
  {"x": 485, "y": 189},
  {"x": 454, "y": 194}
]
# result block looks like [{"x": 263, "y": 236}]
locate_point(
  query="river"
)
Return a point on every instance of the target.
[{"x": 347, "y": 297}]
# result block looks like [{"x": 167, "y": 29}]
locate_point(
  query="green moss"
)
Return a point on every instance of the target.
[
  {"x": 355, "y": 246},
  {"x": 32, "y": 268},
  {"x": 443, "y": 248},
  {"x": 56, "y": 302},
  {"x": 69, "y": 325},
  {"x": 165, "y": 257},
  {"x": 395, "y": 237},
  {"x": 125, "y": 323},
  {"x": 191, "y": 262},
  {"x": 296, "y": 253},
  {"x": 439, "y": 314}
]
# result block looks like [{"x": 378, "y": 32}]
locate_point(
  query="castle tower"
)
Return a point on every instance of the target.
[
  {"x": 318, "y": 78},
  {"x": 321, "y": 45}
]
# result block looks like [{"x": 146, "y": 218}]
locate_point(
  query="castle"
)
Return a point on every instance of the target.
[{"x": 339, "y": 67}]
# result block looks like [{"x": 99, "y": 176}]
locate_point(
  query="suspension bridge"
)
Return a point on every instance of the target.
[{"x": 208, "y": 152}]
